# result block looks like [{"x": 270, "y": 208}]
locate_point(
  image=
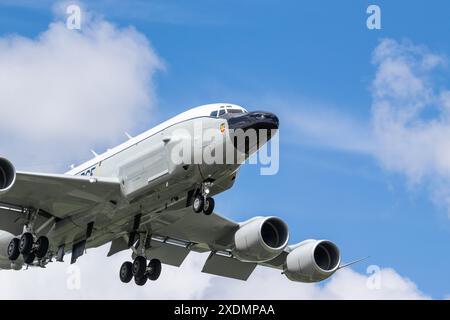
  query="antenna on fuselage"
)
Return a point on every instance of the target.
[
  {"x": 129, "y": 136},
  {"x": 94, "y": 153}
]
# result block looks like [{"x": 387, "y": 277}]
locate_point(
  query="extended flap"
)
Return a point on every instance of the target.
[
  {"x": 228, "y": 267},
  {"x": 167, "y": 253}
]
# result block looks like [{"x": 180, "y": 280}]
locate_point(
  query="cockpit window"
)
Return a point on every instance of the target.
[
  {"x": 235, "y": 111},
  {"x": 226, "y": 110}
]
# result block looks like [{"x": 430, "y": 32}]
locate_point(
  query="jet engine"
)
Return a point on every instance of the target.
[
  {"x": 7, "y": 175},
  {"x": 312, "y": 261},
  {"x": 260, "y": 239}
]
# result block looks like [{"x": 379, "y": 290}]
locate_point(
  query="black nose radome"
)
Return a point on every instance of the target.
[
  {"x": 254, "y": 120},
  {"x": 241, "y": 127}
]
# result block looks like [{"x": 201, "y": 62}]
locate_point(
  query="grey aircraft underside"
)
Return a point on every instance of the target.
[{"x": 137, "y": 198}]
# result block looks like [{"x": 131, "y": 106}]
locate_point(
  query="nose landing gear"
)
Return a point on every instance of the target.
[{"x": 202, "y": 202}]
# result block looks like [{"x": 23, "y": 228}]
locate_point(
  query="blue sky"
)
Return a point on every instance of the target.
[{"x": 293, "y": 57}]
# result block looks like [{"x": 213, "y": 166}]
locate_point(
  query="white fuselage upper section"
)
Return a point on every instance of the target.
[{"x": 201, "y": 111}]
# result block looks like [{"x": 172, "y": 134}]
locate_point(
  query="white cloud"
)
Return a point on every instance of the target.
[
  {"x": 67, "y": 91},
  {"x": 410, "y": 118},
  {"x": 345, "y": 284},
  {"x": 100, "y": 280}
]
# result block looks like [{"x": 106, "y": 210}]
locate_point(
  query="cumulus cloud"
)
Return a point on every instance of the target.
[
  {"x": 345, "y": 284},
  {"x": 66, "y": 91},
  {"x": 410, "y": 118},
  {"x": 97, "y": 277}
]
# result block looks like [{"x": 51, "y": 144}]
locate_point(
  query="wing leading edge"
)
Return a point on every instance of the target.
[{"x": 56, "y": 194}]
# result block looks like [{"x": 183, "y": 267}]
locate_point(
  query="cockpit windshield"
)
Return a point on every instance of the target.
[
  {"x": 235, "y": 111},
  {"x": 228, "y": 110}
]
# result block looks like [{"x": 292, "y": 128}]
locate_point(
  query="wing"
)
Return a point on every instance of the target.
[
  {"x": 57, "y": 195},
  {"x": 177, "y": 233},
  {"x": 205, "y": 233}
]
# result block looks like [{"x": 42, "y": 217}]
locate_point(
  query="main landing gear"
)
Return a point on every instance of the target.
[
  {"x": 202, "y": 202},
  {"x": 140, "y": 270},
  {"x": 28, "y": 247}
]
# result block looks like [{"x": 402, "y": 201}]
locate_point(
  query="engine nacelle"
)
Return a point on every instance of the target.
[
  {"x": 312, "y": 261},
  {"x": 7, "y": 175},
  {"x": 260, "y": 239}
]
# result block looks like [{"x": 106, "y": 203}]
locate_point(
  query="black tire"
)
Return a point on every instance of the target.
[
  {"x": 140, "y": 281},
  {"x": 139, "y": 267},
  {"x": 13, "y": 249},
  {"x": 42, "y": 244},
  {"x": 155, "y": 269},
  {"x": 26, "y": 243},
  {"x": 28, "y": 258},
  {"x": 198, "y": 204},
  {"x": 126, "y": 272},
  {"x": 208, "y": 207}
]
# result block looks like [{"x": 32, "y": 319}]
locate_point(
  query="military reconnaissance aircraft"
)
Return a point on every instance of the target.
[{"x": 152, "y": 196}]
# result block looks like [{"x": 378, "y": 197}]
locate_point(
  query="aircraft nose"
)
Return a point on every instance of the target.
[{"x": 256, "y": 120}]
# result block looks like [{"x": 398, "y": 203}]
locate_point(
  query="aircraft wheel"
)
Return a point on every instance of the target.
[
  {"x": 198, "y": 204},
  {"x": 208, "y": 208},
  {"x": 155, "y": 269},
  {"x": 13, "y": 249},
  {"x": 26, "y": 243},
  {"x": 42, "y": 244},
  {"x": 139, "y": 267},
  {"x": 140, "y": 281},
  {"x": 126, "y": 272},
  {"x": 28, "y": 258}
]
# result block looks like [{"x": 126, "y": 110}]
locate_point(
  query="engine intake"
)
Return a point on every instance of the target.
[
  {"x": 7, "y": 175},
  {"x": 312, "y": 261},
  {"x": 260, "y": 239}
]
